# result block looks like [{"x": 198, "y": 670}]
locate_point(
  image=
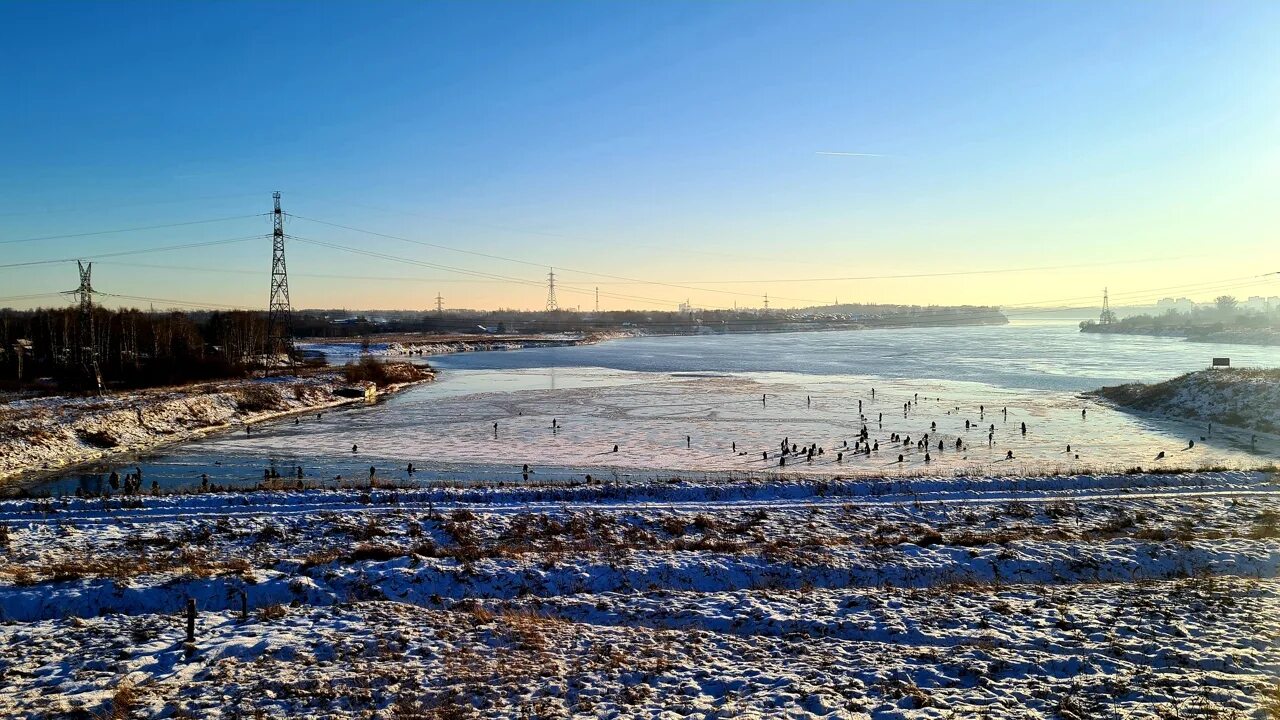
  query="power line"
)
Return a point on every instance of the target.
[
  {"x": 172, "y": 301},
  {"x": 30, "y": 297},
  {"x": 123, "y": 204},
  {"x": 141, "y": 251},
  {"x": 437, "y": 266},
  {"x": 327, "y": 276},
  {"x": 685, "y": 285},
  {"x": 1130, "y": 296},
  {"x": 491, "y": 256},
  {"x": 900, "y": 319},
  {"x": 543, "y": 233},
  {"x": 133, "y": 229}
]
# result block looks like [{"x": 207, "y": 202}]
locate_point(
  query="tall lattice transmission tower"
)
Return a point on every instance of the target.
[
  {"x": 279, "y": 311},
  {"x": 86, "y": 341},
  {"x": 552, "y": 304},
  {"x": 439, "y": 305},
  {"x": 1107, "y": 317},
  {"x": 597, "y": 300},
  {"x": 766, "y": 303}
]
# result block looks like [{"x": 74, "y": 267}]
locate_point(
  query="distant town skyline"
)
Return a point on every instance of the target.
[{"x": 1011, "y": 154}]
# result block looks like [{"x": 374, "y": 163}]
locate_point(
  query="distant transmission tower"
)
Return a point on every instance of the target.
[
  {"x": 1107, "y": 317},
  {"x": 88, "y": 346},
  {"x": 439, "y": 305},
  {"x": 766, "y": 303},
  {"x": 552, "y": 305},
  {"x": 597, "y": 300},
  {"x": 279, "y": 311}
]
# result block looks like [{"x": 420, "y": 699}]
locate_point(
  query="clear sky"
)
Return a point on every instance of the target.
[{"x": 730, "y": 148}]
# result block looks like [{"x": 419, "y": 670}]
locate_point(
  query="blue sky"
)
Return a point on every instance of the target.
[{"x": 672, "y": 142}]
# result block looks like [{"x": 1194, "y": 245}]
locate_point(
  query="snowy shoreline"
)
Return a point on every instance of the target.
[
  {"x": 53, "y": 435},
  {"x": 1247, "y": 399},
  {"x": 340, "y": 351}
]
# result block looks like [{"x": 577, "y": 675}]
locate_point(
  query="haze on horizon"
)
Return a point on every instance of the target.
[{"x": 715, "y": 152}]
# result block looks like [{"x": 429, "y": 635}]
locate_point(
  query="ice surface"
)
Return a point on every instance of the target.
[{"x": 686, "y": 424}]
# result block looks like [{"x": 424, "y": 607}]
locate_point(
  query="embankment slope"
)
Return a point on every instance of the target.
[{"x": 1240, "y": 397}]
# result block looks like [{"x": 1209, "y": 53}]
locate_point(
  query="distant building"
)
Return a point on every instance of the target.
[
  {"x": 1180, "y": 304},
  {"x": 1256, "y": 303}
]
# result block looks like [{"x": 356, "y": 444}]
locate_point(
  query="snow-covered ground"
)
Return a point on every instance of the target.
[
  {"x": 1073, "y": 596},
  {"x": 47, "y": 433},
  {"x": 1243, "y": 398}
]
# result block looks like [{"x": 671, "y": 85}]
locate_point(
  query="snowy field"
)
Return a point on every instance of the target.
[{"x": 1073, "y": 597}]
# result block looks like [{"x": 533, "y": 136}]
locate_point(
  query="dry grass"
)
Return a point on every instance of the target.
[
  {"x": 275, "y": 611},
  {"x": 258, "y": 398},
  {"x": 122, "y": 703},
  {"x": 1270, "y": 698},
  {"x": 123, "y": 568}
]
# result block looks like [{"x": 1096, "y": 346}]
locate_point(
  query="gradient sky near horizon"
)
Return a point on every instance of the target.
[{"x": 715, "y": 152}]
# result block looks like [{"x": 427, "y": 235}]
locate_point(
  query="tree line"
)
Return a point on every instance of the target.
[{"x": 131, "y": 348}]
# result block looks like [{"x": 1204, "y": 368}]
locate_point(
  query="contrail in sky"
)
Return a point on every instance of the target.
[{"x": 849, "y": 154}]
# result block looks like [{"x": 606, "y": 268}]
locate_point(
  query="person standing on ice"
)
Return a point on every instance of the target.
[
  {"x": 1024, "y": 429},
  {"x": 688, "y": 442}
]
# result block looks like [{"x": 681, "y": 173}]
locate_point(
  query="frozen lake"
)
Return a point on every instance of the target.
[{"x": 678, "y": 406}]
